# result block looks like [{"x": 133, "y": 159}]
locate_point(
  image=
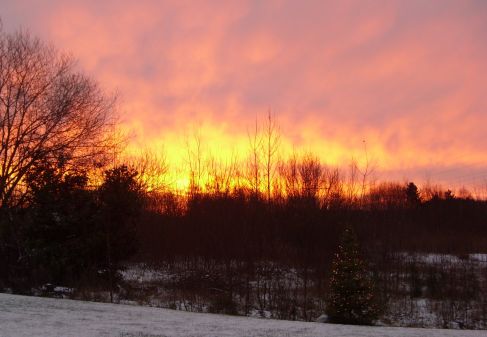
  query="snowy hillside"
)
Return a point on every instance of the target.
[{"x": 35, "y": 316}]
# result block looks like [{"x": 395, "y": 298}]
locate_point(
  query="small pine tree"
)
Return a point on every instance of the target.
[{"x": 352, "y": 297}]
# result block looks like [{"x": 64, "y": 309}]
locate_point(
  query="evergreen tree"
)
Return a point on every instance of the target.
[
  {"x": 352, "y": 297},
  {"x": 412, "y": 195},
  {"x": 120, "y": 204},
  {"x": 59, "y": 232}
]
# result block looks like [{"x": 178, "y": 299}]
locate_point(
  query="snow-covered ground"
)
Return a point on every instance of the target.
[
  {"x": 36, "y": 316},
  {"x": 432, "y": 259}
]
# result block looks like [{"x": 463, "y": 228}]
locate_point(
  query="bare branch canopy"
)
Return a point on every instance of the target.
[{"x": 49, "y": 112}]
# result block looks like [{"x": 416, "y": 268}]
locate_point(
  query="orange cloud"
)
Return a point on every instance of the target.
[{"x": 409, "y": 77}]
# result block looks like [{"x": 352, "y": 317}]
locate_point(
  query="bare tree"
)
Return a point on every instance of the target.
[
  {"x": 195, "y": 162},
  {"x": 352, "y": 180},
  {"x": 289, "y": 173},
  {"x": 366, "y": 173},
  {"x": 270, "y": 147},
  {"x": 311, "y": 175},
  {"x": 152, "y": 168},
  {"x": 220, "y": 174},
  {"x": 305, "y": 176},
  {"x": 48, "y": 112},
  {"x": 333, "y": 187},
  {"x": 254, "y": 160}
]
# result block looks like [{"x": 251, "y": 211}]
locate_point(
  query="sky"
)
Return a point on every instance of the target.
[{"x": 403, "y": 81}]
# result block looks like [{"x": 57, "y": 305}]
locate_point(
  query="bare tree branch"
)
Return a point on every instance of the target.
[{"x": 48, "y": 112}]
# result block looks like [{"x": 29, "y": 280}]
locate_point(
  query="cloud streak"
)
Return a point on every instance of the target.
[{"x": 407, "y": 76}]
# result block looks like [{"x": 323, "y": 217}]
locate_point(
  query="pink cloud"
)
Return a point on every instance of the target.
[{"x": 407, "y": 76}]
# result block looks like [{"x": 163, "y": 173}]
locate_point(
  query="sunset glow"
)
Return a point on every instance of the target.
[{"x": 401, "y": 82}]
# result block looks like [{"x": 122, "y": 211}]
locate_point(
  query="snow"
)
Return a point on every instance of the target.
[
  {"x": 141, "y": 273},
  {"x": 432, "y": 259},
  {"x": 38, "y": 316},
  {"x": 63, "y": 290},
  {"x": 478, "y": 257}
]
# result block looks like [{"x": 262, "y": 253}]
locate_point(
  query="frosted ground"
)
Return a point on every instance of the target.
[{"x": 37, "y": 316}]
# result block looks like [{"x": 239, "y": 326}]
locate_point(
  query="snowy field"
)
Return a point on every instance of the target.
[{"x": 36, "y": 316}]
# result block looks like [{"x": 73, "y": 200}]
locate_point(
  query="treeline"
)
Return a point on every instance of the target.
[
  {"x": 303, "y": 227},
  {"x": 67, "y": 227}
]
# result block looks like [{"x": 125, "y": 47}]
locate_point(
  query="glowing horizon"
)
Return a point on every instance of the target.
[{"x": 407, "y": 77}]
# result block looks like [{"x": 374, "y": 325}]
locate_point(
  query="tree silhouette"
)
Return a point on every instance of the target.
[
  {"x": 120, "y": 204},
  {"x": 48, "y": 111},
  {"x": 412, "y": 195},
  {"x": 352, "y": 297},
  {"x": 59, "y": 230}
]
